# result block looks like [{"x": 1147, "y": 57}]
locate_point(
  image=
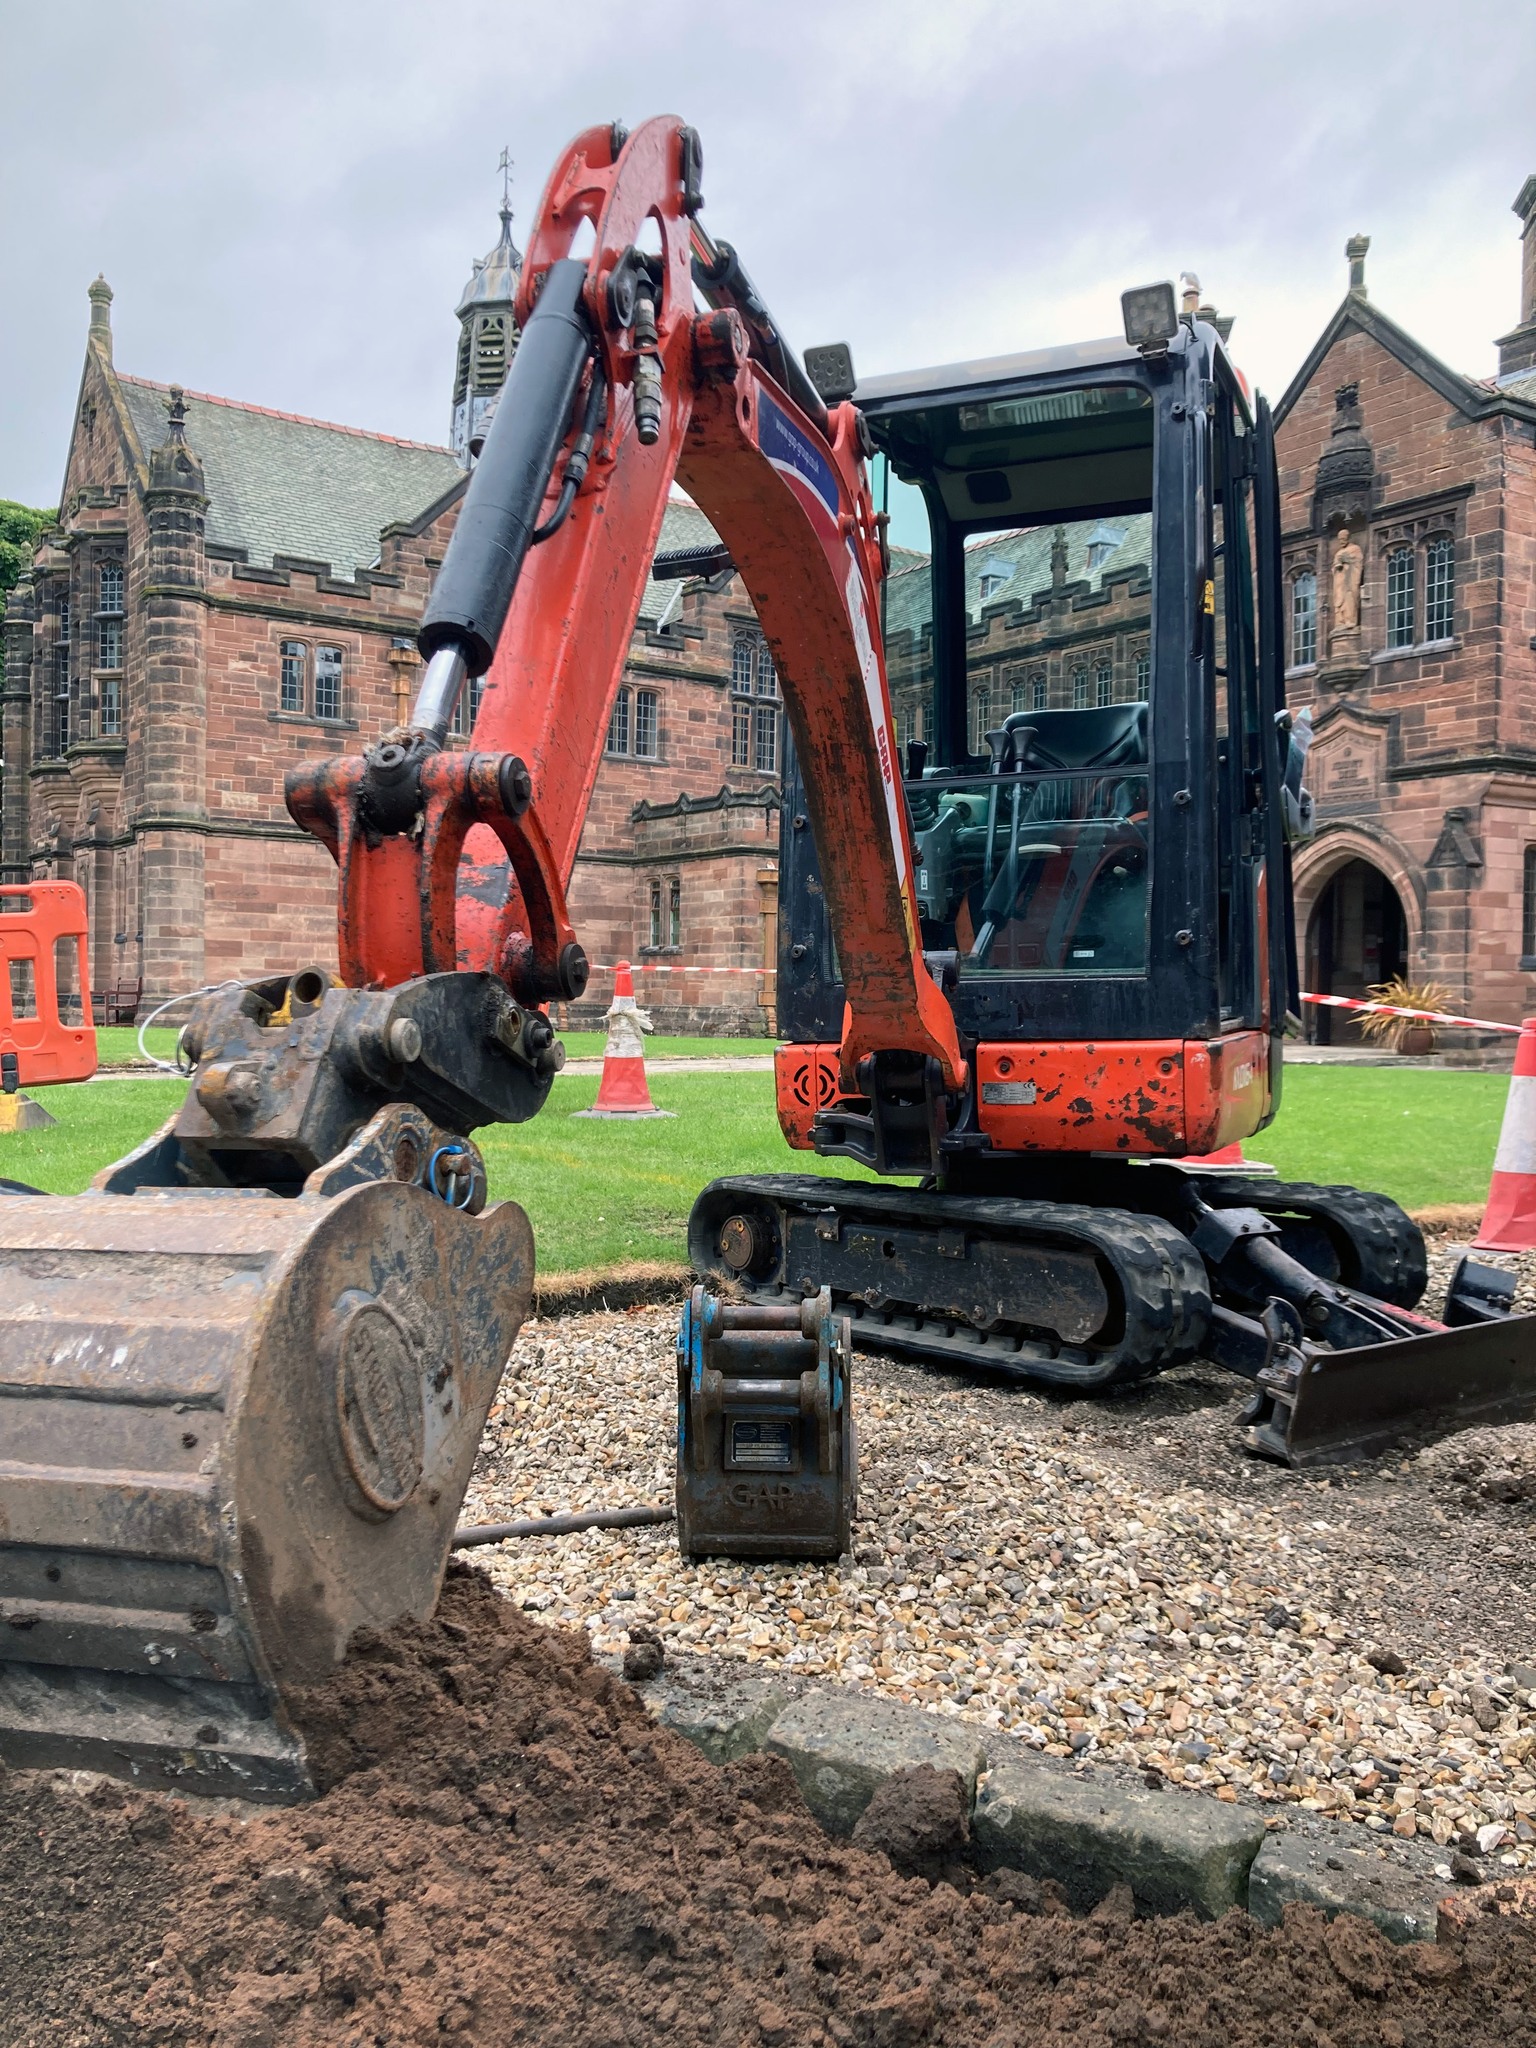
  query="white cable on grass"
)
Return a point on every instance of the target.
[{"x": 187, "y": 996}]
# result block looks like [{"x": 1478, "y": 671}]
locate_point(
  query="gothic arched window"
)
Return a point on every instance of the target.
[
  {"x": 981, "y": 717},
  {"x": 1304, "y": 619},
  {"x": 1400, "y": 598},
  {"x": 1440, "y": 588},
  {"x": 1080, "y": 689}
]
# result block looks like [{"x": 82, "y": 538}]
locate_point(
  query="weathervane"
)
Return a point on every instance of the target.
[{"x": 504, "y": 165}]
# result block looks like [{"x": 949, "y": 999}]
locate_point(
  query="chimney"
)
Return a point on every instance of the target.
[{"x": 1517, "y": 350}]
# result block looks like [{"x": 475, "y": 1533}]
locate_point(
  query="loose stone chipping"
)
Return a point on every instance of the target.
[{"x": 1113, "y": 1581}]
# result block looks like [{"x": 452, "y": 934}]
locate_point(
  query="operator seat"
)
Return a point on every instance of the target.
[
  {"x": 1107, "y": 736},
  {"x": 1100, "y": 916}
]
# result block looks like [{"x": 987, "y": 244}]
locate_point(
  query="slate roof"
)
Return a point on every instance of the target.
[
  {"x": 683, "y": 525},
  {"x": 1023, "y": 558},
  {"x": 279, "y": 484}
]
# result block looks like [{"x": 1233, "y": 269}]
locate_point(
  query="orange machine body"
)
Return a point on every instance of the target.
[{"x": 1147, "y": 1100}]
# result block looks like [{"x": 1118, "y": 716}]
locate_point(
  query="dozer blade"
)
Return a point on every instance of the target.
[
  {"x": 1326, "y": 1407},
  {"x": 233, "y": 1429}
]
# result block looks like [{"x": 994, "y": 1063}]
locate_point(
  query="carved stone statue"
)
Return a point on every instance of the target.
[{"x": 1348, "y": 567}]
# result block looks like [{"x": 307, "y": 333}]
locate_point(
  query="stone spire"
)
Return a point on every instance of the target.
[
  {"x": 1517, "y": 349},
  {"x": 100, "y": 296},
  {"x": 487, "y": 337}
]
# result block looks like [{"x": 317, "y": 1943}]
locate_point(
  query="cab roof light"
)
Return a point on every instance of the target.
[{"x": 1151, "y": 317}]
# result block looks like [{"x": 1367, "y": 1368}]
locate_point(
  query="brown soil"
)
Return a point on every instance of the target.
[{"x": 510, "y": 1852}]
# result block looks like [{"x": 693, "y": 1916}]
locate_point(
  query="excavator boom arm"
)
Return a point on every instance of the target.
[{"x": 620, "y": 384}]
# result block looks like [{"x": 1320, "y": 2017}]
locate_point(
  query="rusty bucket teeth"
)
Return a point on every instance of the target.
[{"x": 233, "y": 1430}]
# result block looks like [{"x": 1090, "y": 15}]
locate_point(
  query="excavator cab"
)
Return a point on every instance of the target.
[{"x": 1085, "y": 672}]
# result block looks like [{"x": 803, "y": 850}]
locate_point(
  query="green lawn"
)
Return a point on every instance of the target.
[
  {"x": 117, "y": 1045},
  {"x": 602, "y": 1193}
]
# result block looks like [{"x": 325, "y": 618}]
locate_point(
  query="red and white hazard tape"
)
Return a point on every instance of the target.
[
  {"x": 1427, "y": 1016},
  {"x": 655, "y": 967},
  {"x": 1332, "y": 1002}
]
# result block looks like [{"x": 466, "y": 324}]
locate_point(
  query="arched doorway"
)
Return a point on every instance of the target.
[{"x": 1357, "y": 935}]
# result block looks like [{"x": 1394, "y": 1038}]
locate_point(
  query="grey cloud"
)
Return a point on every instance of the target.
[{"x": 286, "y": 201}]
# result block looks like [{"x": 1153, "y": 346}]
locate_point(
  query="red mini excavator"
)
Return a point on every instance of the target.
[{"x": 243, "y": 1378}]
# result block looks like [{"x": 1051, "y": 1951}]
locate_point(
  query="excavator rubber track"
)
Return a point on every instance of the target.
[
  {"x": 1060, "y": 1293},
  {"x": 1091, "y": 1296}
]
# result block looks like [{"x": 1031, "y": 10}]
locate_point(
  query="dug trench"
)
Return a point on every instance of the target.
[{"x": 509, "y": 1850}]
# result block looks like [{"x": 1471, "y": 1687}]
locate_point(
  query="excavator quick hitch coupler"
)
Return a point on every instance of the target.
[{"x": 766, "y": 1461}]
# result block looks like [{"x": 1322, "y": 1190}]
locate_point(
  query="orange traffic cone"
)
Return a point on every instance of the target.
[
  {"x": 623, "y": 1090},
  {"x": 1510, "y": 1223},
  {"x": 1229, "y": 1155}
]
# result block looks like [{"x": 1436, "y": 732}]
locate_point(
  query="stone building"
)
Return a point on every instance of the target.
[
  {"x": 1057, "y": 618},
  {"x": 1409, "y": 534},
  {"x": 230, "y": 590}
]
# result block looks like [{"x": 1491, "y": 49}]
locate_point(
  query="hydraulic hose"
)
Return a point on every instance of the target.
[{"x": 560, "y": 1525}]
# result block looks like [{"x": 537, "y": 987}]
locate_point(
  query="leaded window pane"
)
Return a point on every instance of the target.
[
  {"x": 1303, "y": 619},
  {"x": 767, "y": 674},
  {"x": 111, "y": 586},
  {"x": 1143, "y": 676},
  {"x": 1039, "y": 692},
  {"x": 645, "y": 724},
  {"x": 327, "y": 682},
  {"x": 1400, "y": 606},
  {"x": 981, "y": 717},
  {"x": 1080, "y": 689},
  {"x": 1440, "y": 588},
  {"x": 765, "y": 739},
  {"x": 618, "y": 725},
  {"x": 655, "y": 938},
  {"x": 741, "y": 665},
  {"x": 109, "y": 643},
  {"x": 1104, "y": 684},
  {"x": 741, "y": 734},
  {"x": 292, "y": 688},
  {"x": 111, "y": 708},
  {"x": 675, "y": 914}
]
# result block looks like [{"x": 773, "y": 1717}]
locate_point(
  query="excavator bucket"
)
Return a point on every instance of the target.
[{"x": 236, "y": 1428}]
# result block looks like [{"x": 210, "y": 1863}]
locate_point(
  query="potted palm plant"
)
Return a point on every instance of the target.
[{"x": 1412, "y": 1037}]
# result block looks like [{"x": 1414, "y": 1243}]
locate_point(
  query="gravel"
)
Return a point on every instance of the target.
[{"x": 1107, "y": 1580}]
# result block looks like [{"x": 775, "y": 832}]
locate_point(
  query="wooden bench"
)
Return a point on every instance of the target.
[{"x": 119, "y": 1004}]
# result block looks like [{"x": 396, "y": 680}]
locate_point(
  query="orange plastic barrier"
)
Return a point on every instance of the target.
[{"x": 42, "y": 925}]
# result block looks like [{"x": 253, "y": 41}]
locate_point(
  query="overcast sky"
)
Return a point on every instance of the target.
[{"x": 285, "y": 198}]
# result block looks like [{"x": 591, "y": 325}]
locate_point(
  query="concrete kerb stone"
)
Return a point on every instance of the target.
[
  {"x": 726, "y": 1718},
  {"x": 842, "y": 1748},
  {"x": 1175, "y": 1850},
  {"x": 1297, "y": 1867},
  {"x": 1089, "y": 1829}
]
